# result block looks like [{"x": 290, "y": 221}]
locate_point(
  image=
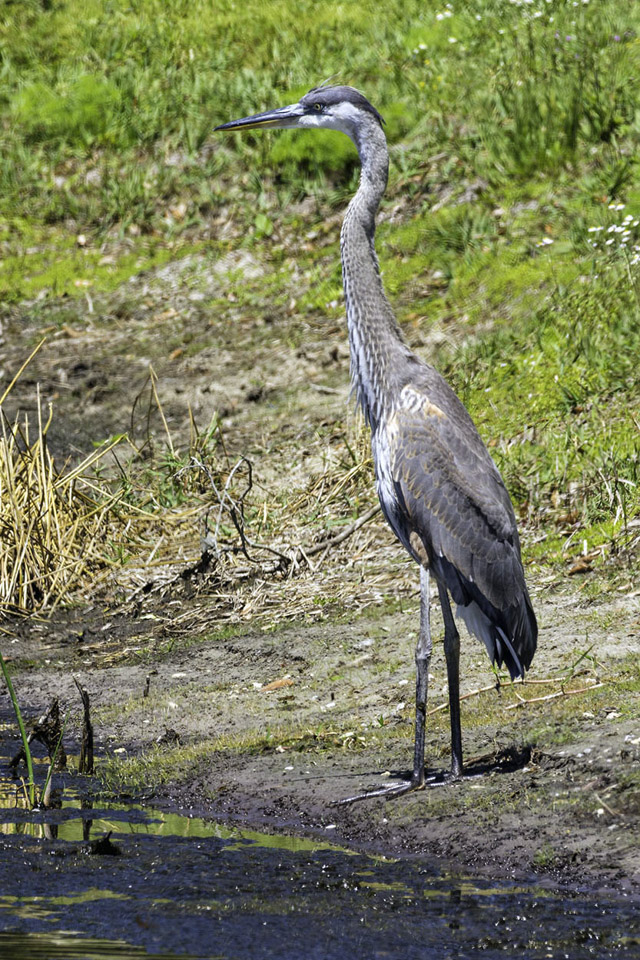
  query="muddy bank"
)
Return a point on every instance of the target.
[{"x": 268, "y": 729}]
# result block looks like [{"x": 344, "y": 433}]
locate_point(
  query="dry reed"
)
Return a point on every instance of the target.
[
  {"x": 66, "y": 532},
  {"x": 52, "y": 523}
]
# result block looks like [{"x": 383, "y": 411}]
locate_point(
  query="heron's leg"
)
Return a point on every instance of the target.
[
  {"x": 452, "y": 654},
  {"x": 423, "y": 658}
]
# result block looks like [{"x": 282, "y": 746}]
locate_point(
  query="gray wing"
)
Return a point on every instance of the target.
[
  {"x": 451, "y": 494},
  {"x": 448, "y": 501}
]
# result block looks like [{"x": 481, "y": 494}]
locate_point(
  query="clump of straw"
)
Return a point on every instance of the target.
[{"x": 51, "y": 524}]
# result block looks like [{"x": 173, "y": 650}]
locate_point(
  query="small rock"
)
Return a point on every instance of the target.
[
  {"x": 103, "y": 847},
  {"x": 169, "y": 738}
]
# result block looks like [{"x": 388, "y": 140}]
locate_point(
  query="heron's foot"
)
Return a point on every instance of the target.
[
  {"x": 443, "y": 777},
  {"x": 391, "y": 790}
]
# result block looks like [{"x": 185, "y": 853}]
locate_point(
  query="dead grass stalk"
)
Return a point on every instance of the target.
[{"x": 52, "y": 521}]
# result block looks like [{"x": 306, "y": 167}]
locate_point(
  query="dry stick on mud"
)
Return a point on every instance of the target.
[
  {"x": 343, "y": 535},
  {"x": 551, "y": 696},
  {"x": 610, "y": 810},
  {"x": 47, "y": 730},
  {"x": 85, "y": 763},
  {"x": 522, "y": 702}
]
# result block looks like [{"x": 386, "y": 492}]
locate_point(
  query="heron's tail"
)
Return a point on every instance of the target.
[{"x": 510, "y": 635}]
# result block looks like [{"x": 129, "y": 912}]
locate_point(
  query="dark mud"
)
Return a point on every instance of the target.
[
  {"x": 166, "y": 885},
  {"x": 268, "y": 730}
]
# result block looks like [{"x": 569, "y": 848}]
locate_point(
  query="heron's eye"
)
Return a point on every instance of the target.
[{"x": 318, "y": 107}]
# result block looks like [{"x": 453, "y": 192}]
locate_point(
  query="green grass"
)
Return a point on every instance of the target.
[
  {"x": 513, "y": 131},
  {"x": 37, "y": 258},
  {"x": 145, "y": 771},
  {"x": 30, "y": 786}
]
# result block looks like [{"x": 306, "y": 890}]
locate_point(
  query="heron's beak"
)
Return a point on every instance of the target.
[{"x": 281, "y": 118}]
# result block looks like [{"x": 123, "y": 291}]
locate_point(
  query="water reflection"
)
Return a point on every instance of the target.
[
  {"x": 185, "y": 886},
  {"x": 61, "y": 946}
]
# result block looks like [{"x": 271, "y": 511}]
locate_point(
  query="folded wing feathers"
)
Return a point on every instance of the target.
[{"x": 451, "y": 494}]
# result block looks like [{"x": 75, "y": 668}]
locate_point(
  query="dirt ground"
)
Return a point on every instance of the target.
[
  {"x": 276, "y": 722},
  {"x": 288, "y": 722}
]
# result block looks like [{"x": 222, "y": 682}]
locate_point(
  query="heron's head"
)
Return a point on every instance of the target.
[{"x": 336, "y": 108}]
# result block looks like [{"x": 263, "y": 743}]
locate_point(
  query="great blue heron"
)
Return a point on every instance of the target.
[{"x": 439, "y": 489}]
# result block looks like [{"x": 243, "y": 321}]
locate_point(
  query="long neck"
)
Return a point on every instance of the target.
[{"x": 374, "y": 335}]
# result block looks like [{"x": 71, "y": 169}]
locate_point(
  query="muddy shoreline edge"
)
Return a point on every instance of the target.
[{"x": 271, "y": 728}]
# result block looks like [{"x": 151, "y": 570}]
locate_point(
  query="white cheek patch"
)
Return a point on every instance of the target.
[
  {"x": 346, "y": 112},
  {"x": 341, "y": 116},
  {"x": 312, "y": 120}
]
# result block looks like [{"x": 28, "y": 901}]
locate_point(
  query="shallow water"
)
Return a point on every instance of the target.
[{"x": 188, "y": 887}]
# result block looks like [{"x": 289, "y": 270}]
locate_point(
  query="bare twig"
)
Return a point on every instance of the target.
[
  {"x": 85, "y": 763},
  {"x": 552, "y": 696},
  {"x": 610, "y": 810},
  {"x": 464, "y": 696},
  {"x": 234, "y": 508},
  {"x": 344, "y": 534},
  {"x": 521, "y": 700}
]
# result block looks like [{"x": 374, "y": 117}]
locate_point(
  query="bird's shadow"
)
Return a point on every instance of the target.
[{"x": 509, "y": 760}]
